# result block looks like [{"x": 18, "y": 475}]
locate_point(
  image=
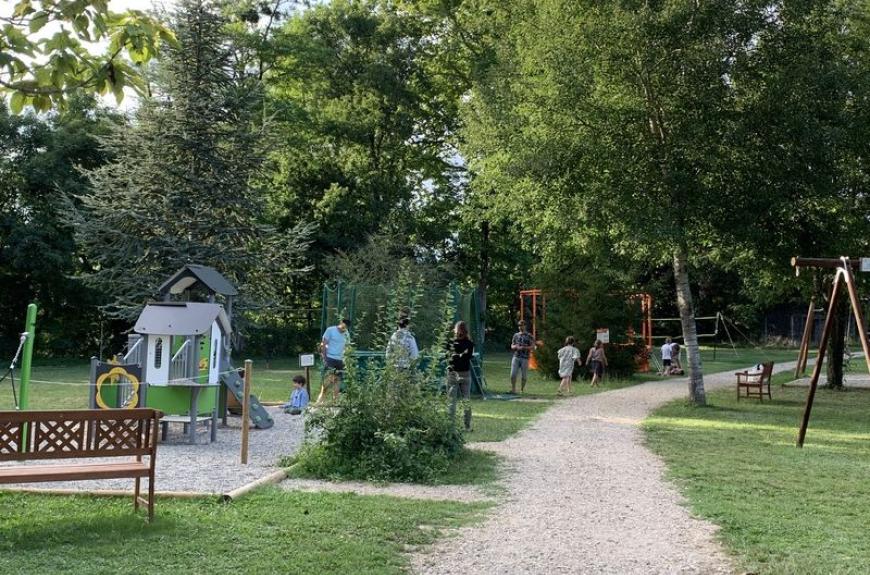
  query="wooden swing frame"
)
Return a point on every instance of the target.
[{"x": 843, "y": 277}]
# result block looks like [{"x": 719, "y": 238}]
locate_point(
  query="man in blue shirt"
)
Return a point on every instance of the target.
[{"x": 332, "y": 351}]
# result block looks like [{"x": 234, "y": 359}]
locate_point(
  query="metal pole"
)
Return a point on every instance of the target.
[
  {"x": 308, "y": 381},
  {"x": 24, "y": 395},
  {"x": 246, "y": 410},
  {"x": 30, "y": 329},
  {"x": 817, "y": 368}
]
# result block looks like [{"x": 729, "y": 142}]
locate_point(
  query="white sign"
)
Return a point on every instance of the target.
[
  {"x": 306, "y": 360},
  {"x": 865, "y": 264},
  {"x": 602, "y": 335}
]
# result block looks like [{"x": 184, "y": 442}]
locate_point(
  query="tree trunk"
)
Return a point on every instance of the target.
[
  {"x": 690, "y": 331},
  {"x": 837, "y": 345}
]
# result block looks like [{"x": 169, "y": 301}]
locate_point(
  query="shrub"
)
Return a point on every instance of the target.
[{"x": 390, "y": 424}]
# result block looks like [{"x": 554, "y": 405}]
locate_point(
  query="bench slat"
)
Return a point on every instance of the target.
[{"x": 37, "y": 473}]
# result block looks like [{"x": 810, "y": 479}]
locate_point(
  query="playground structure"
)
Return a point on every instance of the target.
[
  {"x": 843, "y": 276},
  {"x": 720, "y": 321},
  {"x": 533, "y": 305},
  {"x": 374, "y": 310},
  {"x": 179, "y": 358}
]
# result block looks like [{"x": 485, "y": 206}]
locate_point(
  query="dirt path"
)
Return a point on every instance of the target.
[{"x": 585, "y": 496}]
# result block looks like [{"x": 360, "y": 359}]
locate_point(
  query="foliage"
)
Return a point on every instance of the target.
[
  {"x": 44, "y": 50},
  {"x": 39, "y": 161},
  {"x": 180, "y": 187},
  {"x": 293, "y": 533},
  {"x": 388, "y": 426},
  {"x": 655, "y": 141},
  {"x": 775, "y": 504},
  {"x": 390, "y": 423},
  {"x": 577, "y": 305},
  {"x": 365, "y": 116}
]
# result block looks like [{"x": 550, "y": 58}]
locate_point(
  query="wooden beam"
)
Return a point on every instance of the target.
[
  {"x": 829, "y": 263},
  {"x": 859, "y": 315},
  {"x": 817, "y": 368}
]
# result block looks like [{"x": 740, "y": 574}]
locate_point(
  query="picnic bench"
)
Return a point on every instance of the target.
[
  {"x": 754, "y": 382},
  {"x": 81, "y": 434}
]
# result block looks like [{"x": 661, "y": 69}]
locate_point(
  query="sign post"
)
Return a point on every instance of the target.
[
  {"x": 602, "y": 335},
  {"x": 306, "y": 360}
]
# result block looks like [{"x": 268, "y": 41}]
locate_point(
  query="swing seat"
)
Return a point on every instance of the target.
[{"x": 754, "y": 384}]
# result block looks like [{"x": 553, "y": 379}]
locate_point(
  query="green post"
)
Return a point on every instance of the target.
[{"x": 30, "y": 329}]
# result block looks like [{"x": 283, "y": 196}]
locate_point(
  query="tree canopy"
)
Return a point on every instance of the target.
[{"x": 44, "y": 50}]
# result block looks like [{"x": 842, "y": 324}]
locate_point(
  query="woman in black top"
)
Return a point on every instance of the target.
[{"x": 459, "y": 372}]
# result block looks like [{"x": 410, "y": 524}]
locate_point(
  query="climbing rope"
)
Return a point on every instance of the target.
[{"x": 10, "y": 373}]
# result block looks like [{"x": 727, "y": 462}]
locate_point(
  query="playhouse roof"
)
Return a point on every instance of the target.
[
  {"x": 190, "y": 274},
  {"x": 185, "y": 318}
]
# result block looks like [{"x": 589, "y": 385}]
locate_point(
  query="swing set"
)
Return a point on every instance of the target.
[{"x": 843, "y": 277}]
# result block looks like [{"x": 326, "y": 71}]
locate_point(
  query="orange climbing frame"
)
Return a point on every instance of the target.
[
  {"x": 537, "y": 308},
  {"x": 533, "y": 305}
]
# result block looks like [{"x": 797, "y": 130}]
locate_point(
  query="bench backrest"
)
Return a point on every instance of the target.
[{"x": 77, "y": 433}]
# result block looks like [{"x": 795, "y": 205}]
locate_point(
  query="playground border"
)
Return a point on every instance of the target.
[{"x": 270, "y": 479}]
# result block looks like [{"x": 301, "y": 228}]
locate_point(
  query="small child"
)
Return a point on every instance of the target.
[
  {"x": 299, "y": 397},
  {"x": 568, "y": 356}
]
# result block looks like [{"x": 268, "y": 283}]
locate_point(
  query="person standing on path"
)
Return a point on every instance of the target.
[
  {"x": 459, "y": 373},
  {"x": 568, "y": 356},
  {"x": 666, "y": 357},
  {"x": 597, "y": 361},
  {"x": 675, "y": 358},
  {"x": 332, "y": 346},
  {"x": 522, "y": 345}
]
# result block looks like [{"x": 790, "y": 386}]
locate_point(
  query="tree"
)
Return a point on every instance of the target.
[
  {"x": 39, "y": 160},
  {"x": 639, "y": 127},
  {"x": 366, "y": 115},
  {"x": 44, "y": 57},
  {"x": 180, "y": 189}
]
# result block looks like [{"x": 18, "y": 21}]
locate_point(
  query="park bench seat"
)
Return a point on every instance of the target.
[
  {"x": 754, "y": 384},
  {"x": 81, "y": 434}
]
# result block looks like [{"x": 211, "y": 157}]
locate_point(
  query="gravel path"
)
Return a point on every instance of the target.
[
  {"x": 585, "y": 496},
  {"x": 207, "y": 467}
]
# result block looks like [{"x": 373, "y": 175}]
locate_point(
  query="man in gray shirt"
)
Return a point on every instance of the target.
[{"x": 522, "y": 345}]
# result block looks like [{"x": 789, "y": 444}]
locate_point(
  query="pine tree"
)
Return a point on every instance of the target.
[{"x": 181, "y": 188}]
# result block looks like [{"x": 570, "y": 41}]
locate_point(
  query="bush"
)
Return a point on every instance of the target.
[
  {"x": 390, "y": 427},
  {"x": 390, "y": 424}
]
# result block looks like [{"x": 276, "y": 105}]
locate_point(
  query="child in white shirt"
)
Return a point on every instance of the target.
[{"x": 568, "y": 356}]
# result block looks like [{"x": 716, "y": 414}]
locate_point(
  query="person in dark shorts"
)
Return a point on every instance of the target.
[
  {"x": 597, "y": 361},
  {"x": 459, "y": 373},
  {"x": 333, "y": 343}
]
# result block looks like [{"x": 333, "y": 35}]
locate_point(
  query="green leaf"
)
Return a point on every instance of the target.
[
  {"x": 16, "y": 103},
  {"x": 37, "y": 21}
]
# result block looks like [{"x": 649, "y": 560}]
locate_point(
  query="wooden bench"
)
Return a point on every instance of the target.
[
  {"x": 81, "y": 434},
  {"x": 754, "y": 383}
]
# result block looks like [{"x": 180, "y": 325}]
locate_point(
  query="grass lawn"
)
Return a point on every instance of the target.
[
  {"x": 782, "y": 510},
  {"x": 271, "y": 531}
]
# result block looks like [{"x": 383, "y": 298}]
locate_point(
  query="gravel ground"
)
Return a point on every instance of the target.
[
  {"x": 464, "y": 493},
  {"x": 585, "y": 496},
  {"x": 207, "y": 467}
]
